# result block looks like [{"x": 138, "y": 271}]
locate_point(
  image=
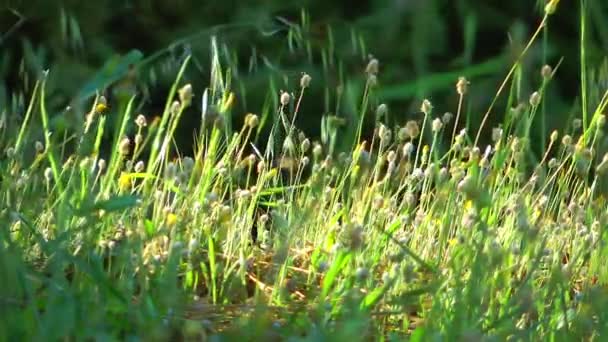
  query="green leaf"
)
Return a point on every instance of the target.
[{"x": 118, "y": 203}]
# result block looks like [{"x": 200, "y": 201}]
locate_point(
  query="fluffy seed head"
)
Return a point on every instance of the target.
[
  {"x": 535, "y": 99},
  {"x": 437, "y": 125},
  {"x": 305, "y": 80},
  {"x": 285, "y": 98},
  {"x": 426, "y": 107},
  {"x": 462, "y": 86},
  {"x": 39, "y": 146},
  {"x": 305, "y": 145},
  {"x": 251, "y": 120},
  {"x": 546, "y": 72},
  {"x": 48, "y": 174},
  {"x": 381, "y": 110},
  {"x": 185, "y": 94},
  {"x": 554, "y": 136},
  {"x": 141, "y": 121},
  {"x": 124, "y": 145},
  {"x": 139, "y": 166},
  {"x": 447, "y": 118},
  {"x": 372, "y": 67}
]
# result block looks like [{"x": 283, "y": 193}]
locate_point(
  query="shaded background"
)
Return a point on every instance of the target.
[{"x": 422, "y": 45}]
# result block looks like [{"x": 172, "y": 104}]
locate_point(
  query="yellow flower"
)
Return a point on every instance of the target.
[
  {"x": 101, "y": 108},
  {"x": 124, "y": 181},
  {"x": 171, "y": 219}
]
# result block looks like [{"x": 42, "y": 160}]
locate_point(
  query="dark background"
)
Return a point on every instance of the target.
[{"x": 422, "y": 45}]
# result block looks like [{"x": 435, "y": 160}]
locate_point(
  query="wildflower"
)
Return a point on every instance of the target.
[
  {"x": 139, "y": 167},
  {"x": 305, "y": 80},
  {"x": 554, "y": 136},
  {"x": 285, "y": 98},
  {"x": 141, "y": 121},
  {"x": 124, "y": 181},
  {"x": 39, "y": 146},
  {"x": 567, "y": 140},
  {"x": 185, "y": 95},
  {"x": 101, "y": 164},
  {"x": 447, "y": 118},
  {"x": 48, "y": 174},
  {"x": 412, "y": 129},
  {"x": 123, "y": 146},
  {"x": 251, "y": 120},
  {"x": 305, "y": 145},
  {"x": 260, "y": 166},
  {"x": 372, "y": 67},
  {"x": 496, "y": 134},
  {"x": 139, "y": 139},
  {"x": 408, "y": 149},
  {"x": 553, "y": 163},
  {"x": 535, "y": 99},
  {"x": 102, "y": 105},
  {"x": 175, "y": 107},
  {"x": 462, "y": 86},
  {"x": 437, "y": 125},
  {"x": 317, "y": 150},
  {"x": 381, "y": 110},
  {"x": 546, "y": 72},
  {"x": 384, "y": 133},
  {"x": 426, "y": 107},
  {"x": 171, "y": 219}
]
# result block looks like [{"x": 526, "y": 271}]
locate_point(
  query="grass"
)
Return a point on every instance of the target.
[{"x": 417, "y": 232}]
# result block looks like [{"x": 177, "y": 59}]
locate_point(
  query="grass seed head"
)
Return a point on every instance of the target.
[
  {"x": 305, "y": 80},
  {"x": 546, "y": 72},
  {"x": 185, "y": 95},
  {"x": 141, "y": 121},
  {"x": 462, "y": 86},
  {"x": 535, "y": 99},
  {"x": 285, "y": 98},
  {"x": 373, "y": 67},
  {"x": 426, "y": 107}
]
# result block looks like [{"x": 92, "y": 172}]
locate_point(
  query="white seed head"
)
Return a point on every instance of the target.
[
  {"x": 305, "y": 145},
  {"x": 426, "y": 107},
  {"x": 381, "y": 110},
  {"x": 305, "y": 80},
  {"x": 535, "y": 99},
  {"x": 462, "y": 86},
  {"x": 139, "y": 166},
  {"x": 437, "y": 125},
  {"x": 141, "y": 121},
  {"x": 546, "y": 72},
  {"x": 48, "y": 174},
  {"x": 185, "y": 94},
  {"x": 285, "y": 98},
  {"x": 372, "y": 67},
  {"x": 124, "y": 146},
  {"x": 39, "y": 146}
]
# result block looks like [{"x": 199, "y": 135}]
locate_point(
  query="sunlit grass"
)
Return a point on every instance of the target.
[{"x": 418, "y": 231}]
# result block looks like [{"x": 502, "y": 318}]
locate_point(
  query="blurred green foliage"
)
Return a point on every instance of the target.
[{"x": 422, "y": 45}]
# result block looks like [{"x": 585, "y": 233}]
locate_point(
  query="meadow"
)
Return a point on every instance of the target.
[{"x": 432, "y": 227}]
